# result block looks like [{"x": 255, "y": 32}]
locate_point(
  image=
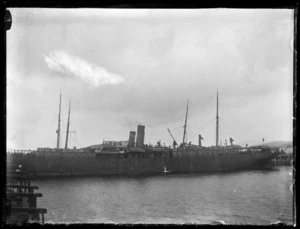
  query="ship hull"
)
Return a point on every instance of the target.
[{"x": 56, "y": 166}]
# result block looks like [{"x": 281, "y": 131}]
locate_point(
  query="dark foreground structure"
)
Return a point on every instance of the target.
[
  {"x": 20, "y": 205},
  {"x": 283, "y": 159}
]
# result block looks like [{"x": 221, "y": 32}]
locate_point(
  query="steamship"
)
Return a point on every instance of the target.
[{"x": 135, "y": 157}]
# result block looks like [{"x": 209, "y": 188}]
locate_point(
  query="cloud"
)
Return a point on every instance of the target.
[{"x": 92, "y": 74}]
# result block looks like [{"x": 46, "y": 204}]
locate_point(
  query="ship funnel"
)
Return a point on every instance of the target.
[
  {"x": 140, "y": 136},
  {"x": 131, "y": 139}
]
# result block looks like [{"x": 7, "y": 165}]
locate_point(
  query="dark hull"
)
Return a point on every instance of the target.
[{"x": 56, "y": 166}]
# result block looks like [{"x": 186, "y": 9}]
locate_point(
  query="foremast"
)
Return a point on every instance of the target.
[
  {"x": 68, "y": 126},
  {"x": 58, "y": 129},
  {"x": 186, "y": 115},
  {"x": 217, "y": 120}
]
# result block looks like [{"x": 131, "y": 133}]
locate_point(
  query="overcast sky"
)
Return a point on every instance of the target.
[{"x": 124, "y": 67}]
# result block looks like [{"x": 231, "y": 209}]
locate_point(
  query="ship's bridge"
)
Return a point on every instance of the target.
[{"x": 115, "y": 143}]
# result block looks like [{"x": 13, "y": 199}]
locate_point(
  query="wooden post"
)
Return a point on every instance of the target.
[
  {"x": 32, "y": 202},
  {"x": 21, "y": 185}
]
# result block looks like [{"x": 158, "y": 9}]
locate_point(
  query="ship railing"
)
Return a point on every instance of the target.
[
  {"x": 140, "y": 150},
  {"x": 64, "y": 150},
  {"x": 111, "y": 152},
  {"x": 19, "y": 151}
]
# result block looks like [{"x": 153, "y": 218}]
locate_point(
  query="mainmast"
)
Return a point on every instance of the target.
[
  {"x": 68, "y": 125},
  {"x": 58, "y": 129},
  {"x": 184, "y": 132},
  {"x": 217, "y": 120}
]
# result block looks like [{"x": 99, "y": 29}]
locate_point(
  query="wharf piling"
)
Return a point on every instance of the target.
[
  {"x": 283, "y": 159},
  {"x": 21, "y": 201}
]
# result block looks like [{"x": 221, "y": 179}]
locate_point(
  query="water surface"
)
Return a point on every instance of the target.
[{"x": 249, "y": 197}]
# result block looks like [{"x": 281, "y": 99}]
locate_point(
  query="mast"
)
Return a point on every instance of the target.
[
  {"x": 68, "y": 125},
  {"x": 217, "y": 120},
  {"x": 58, "y": 129},
  {"x": 184, "y": 132}
]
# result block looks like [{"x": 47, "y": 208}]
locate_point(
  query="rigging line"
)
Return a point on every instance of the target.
[
  {"x": 53, "y": 127},
  {"x": 150, "y": 136},
  {"x": 194, "y": 134},
  {"x": 177, "y": 116},
  {"x": 221, "y": 133},
  {"x": 188, "y": 132},
  {"x": 176, "y": 107},
  {"x": 197, "y": 102},
  {"x": 77, "y": 141},
  {"x": 176, "y": 128},
  {"x": 223, "y": 124},
  {"x": 227, "y": 134},
  {"x": 195, "y": 117},
  {"x": 222, "y": 121},
  {"x": 202, "y": 128},
  {"x": 206, "y": 124},
  {"x": 81, "y": 131},
  {"x": 206, "y": 102},
  {"x": 176, "y": 125},
  {"x": 74, "y": 139}
]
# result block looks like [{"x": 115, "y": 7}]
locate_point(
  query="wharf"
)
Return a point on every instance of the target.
[
  {"x": 21, "y": 202},
  {"x": 283, "y": 159}
]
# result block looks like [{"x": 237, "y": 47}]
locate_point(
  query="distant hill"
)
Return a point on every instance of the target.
[
  {"x": 280, "y": 144},
  {"x": 285, "y": 145},
  {"x": 99, "y": 146}
]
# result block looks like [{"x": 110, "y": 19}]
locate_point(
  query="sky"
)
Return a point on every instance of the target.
[{"x": 125, "y": 67}]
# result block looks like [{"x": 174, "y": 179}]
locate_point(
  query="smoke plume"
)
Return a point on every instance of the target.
[{"x": 92, "y": 74}]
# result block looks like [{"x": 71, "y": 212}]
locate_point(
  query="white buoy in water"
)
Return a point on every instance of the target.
[{"x": 165, "y": 170}]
